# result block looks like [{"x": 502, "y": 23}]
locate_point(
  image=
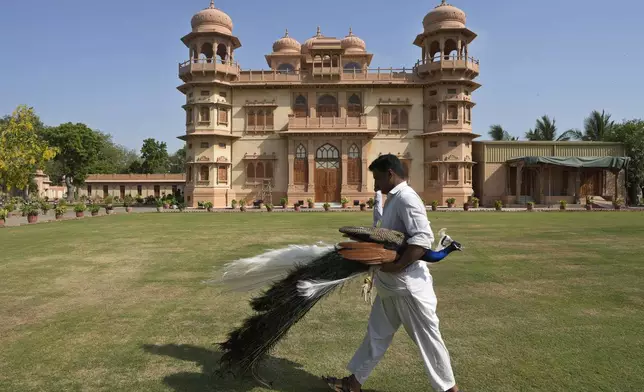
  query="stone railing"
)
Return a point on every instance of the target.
[{"x": 327, "y": 122}]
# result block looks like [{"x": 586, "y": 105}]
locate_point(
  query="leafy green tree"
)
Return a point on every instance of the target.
[
  {"x": 155, "y": 157},
  {"x": 113, "y": 158},
  {"x": 178, "y": 161},
  {"x": 497, "y": 133},
  {"x": 22, "y": 150},
  {"x": 631, "y": 134},
  {"x": 597, "y": 127},
  {"x": 80, "y": 148}
]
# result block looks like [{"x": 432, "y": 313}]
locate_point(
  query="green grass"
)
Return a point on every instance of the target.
[{"x": 537, "y": 302}]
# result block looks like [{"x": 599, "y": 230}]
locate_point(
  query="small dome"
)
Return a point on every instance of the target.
[
  {"x": 212, "y": 19},
  {"x": 286, "y": 44},
  {"x": 444, "y": 16},
  {"x": 353, "y": 43},
  {"x": 308, "y": 44}
]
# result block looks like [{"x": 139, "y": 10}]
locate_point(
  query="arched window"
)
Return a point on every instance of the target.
[
  {"x": 385, "y": 118},
  {"x": 206, "y": 51},
  {"x": 261, "y": 120},
  {"x": 204, "y": 173},
  {"x": 222, "y": 52},
  {"x": 404, "y": 119},
  {"x": 259, "y": 170},
  {"x": 251, "y": 121},
  {"x": 250, "y": 172},
  {"x": 204, "y": 114},
  {"x": 354, "y": 172},
  {"x": 354, "y": 106},
  {"x": 327, "y": 106},
  {"x": 451, "y": 50},
  {"x": 327, "y": 152},
  {"x": 434, "y": 51},
  {"x": 326, "y": 60},
  {"x": 300, "y": 168},
  {"x": 286, "y": 68},
  {"x": 301, "y": 106},
  {"x": 395, "y": 120},
  {"x": 352, "y": 67}
]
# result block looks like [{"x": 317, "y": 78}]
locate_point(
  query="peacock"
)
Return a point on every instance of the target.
[{"x": 312, "y": 272}]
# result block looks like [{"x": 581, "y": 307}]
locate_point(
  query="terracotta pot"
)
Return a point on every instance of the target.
[
  {"x": 243, "y": 208},
  {"x": 530, "y": 207},
  {"x": 562, "y": 208},
  {"x": 32, "y": 218},
  {"x": 466, "y": 207},
  {"x": 498, "y": 208},
  {"x": 1, "y": 222},
  {"x": 128, "y": 209},
  {"x": 311, "y": 205},
  {"x": 59, "y": 216},
  {"x": 80, "y": 214},
  {"x": 297, "y": 207},
  {"x": 434, "y": 208},
  {"x": 363, "y": 208},
  {"x": 269, "y": 209},
  {"x": 589, "y": 207},
  {"x": 344, "y": 205},
  {"x": 94, "y": 213},
  {"x": 209, "y": 209},
  {"x": 327, "y": 209},
  {"x": 450, "y": 205}
]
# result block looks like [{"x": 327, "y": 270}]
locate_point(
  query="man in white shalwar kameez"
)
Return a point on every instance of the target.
[
  {"x": 405, "y": 292},
  {"x": 377, "y": 207}
]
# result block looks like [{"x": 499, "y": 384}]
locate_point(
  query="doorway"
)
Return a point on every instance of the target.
[{"x": 327, "y": 174}]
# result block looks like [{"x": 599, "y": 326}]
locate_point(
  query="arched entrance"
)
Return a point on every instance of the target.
[{"x": 327, "y": 174}]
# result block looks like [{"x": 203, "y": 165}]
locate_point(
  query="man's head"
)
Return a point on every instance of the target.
[{"x": 388, "y": 172}]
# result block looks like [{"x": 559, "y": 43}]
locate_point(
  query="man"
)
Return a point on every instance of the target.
[
  {"x": 405, "y": 292},
  {"x": 377, "y": 207}
]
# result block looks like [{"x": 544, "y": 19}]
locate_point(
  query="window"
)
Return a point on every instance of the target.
[
  {"x": 222, "y": 174},
  {"x": 286, "y": 68},
  {"x": 432, "y": 93},
  {"x": 258, "y": 171},
  {"x": 251, "y": 118},
  {"x": 452, "y": 112},
  {"x": 354, "y": 172},
  {"x": 223, "y": 116},
  {"x": 222, "y": 94},
  {"x": 433, "y": 144},
  {"x": 204, "y": 173},
  {"x": 395, "y": 119},
  {"x": 157, "y": 191},
  {"x": 352, "y": 67},
  {"x": 301, "y": 106},
  {"x": 89, "y": 190},
  {"x": 204, "y": 145},
  {"x": 300, "y": 169},
  {"x": 189, "y": 174},
  {"x": 433, "y": 173},
  {"x": 354, "y": 106},
  {"x": 452, "y": 143},
  {"x": 452, "y": 173},
  {"x": 260, "y": 118},
  {"x": 433, "y": 113},
  {"x": 385, "y": 118},
  {"x": 189, "y": 116},
  {"x": 106, "y": 191},
  {"x": 139, "y": 190},
  {"x": 468, "y": 174},
  {"x": 468, "y": 114},
  {"x": 204, "y": 114},
  {"x": 175, "y": 190},
  {"x": 205, "y": 93},
  {"x": 327, "y": 106},
  {"x": 451, "y": 91},
  {"x": 222, "y": 145}
]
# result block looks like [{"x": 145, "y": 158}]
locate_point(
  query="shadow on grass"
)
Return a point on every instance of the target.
[{"x": 286, "y": 376}]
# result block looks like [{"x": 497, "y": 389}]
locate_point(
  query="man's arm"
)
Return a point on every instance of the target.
[{"x": 414, "y": 217}]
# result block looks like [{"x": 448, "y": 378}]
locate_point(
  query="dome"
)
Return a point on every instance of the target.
[
  {"x": 212, "y": 19},
  {"x": 308, "y": 44},
  {"x": 286, "y": 44},
  {"x": 444, "y": 16},
  {"x": 353, "y": 43}
]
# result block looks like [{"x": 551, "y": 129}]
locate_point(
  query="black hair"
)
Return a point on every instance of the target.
[{"x": 386, "y": 162}]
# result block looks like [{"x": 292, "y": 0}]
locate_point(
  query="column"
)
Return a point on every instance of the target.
[
  {"x": 459, "y": 46},
  {"x": 541, "y": 172},
  {"x": 616, "y": 173},
  {"x": 344, "y": 163},
  {"x": 310, "y": 150},
  {"x": 518, "y": 182},
  {"x": 342, "y": 104},
  {"x": 442, "y": 43},
  {"x": 365, "y": 166},
  {"x": 312, "y": 101},
  {"x": 291, "y": 165}
]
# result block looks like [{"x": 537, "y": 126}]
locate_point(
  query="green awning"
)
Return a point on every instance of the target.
[{"x": 610, "y": 163}]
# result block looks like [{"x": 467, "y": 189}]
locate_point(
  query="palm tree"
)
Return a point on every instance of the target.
[
  {"x": 497, "y": 133},
  {"x": 597, "y": 127},
  {"x": 545, "y": 130}
]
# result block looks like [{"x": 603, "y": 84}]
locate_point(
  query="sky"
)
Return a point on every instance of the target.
[{"x": 113, "y": 64}]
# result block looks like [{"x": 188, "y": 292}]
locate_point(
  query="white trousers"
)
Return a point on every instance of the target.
[{"x": 418, "y": 315}]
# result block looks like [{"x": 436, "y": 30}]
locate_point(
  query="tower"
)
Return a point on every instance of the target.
[
  {"x": 206, "y": 80},
  {"x": 448, "y": 74}
]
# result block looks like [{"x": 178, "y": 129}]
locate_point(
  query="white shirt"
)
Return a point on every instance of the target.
[
  {"x": 404, "y": 211},
  {"x": 377, "y": 208}
]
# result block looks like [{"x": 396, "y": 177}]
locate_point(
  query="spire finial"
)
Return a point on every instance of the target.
[
  {"x": 212, "y": 4},
  {"x": 286, "y": 34},
  {"x": 350, "y": 31},
  {"x": 443, "y": 2},
  {"x": 319, "y": 32}
]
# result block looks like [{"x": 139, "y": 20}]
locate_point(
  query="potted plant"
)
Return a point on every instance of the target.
[
  {"x": 475, "y": 202},
  {"x": 617, "y": 204},
  {"x": 498, "y": 205},
  {"x": 562, "y": 204},
  {"x": 269, "y": 207},
  {"x": 159, "y": 204},
  {"x": 371, "y": 202},
  {"x": 233, "y": 204},
  {"x": 31, "y": 211},
  {"x": 128, "y": 201},
  {"x": 11, "y": 207},
  {"x": 326, "y": 206},
  {"x": 3, "y": 216},
  {"x": 80, "y": 208},
  {"x": 94, "y": 209},
  {"x": 363, "y": 206},
  {"x": 466, "y": 206},
  {"x": 450, "y": 202},
  {"x": 60, "y": 210},
  {"x": 260, "y": 205},
  {"x": 589, "y": 203},
  {"x": 434, "y": 205},
  {"x": 181, "y": 206},
  {"x": 208, "y": 206},
  {"x": 311, "y": 203},
  {"x": 283, "y": 202},
  {"x": 242, "y": 205},
  {"x": 200, "y": 205},
  {"x": 109, "y": 204},
  {"x": 530, "y": 205},
  {"x": 344, "y": 201},
  {"x": 44, "y": 207},
  {"x": 297, "y": 206}
]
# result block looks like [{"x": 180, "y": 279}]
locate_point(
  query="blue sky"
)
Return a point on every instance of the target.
[{"x": 112, "y": 64}]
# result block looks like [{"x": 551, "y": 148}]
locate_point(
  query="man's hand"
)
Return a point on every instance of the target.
[{"x": 410, "y": 255}]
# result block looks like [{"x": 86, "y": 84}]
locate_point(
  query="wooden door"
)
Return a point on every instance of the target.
[
  {"x": 122, "y": 192},
  {"x": 327, "y": 185},
  {"x": 590, "y": 184}
]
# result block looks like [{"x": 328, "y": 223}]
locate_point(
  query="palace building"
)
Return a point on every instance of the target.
[{"x": 308, "y": 126}]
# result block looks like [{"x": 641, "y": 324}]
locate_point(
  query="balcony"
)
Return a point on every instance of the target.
[
  {"x": 208, "y": 65},
  {"x": 457, "y": 63},
  {"x": 372, "y": 76},
  {"x": 295, "y": 123}
]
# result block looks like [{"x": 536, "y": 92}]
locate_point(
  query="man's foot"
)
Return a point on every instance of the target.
[{"x": 346, "y": 384}]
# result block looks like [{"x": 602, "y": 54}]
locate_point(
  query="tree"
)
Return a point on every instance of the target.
[
  {"x": 631, "y": 134},
  {"x": 545, "y": 130},
  {"x": 113, "y": 158},
  {"x": 22, "y": 150},
  {"x": 178, "y": 161},
  {"x": 155, "y": 157},
  {"x": 497, "y": 133},
  {"x": 79, "y": 147},
  {"x": 597, "y": 127}
]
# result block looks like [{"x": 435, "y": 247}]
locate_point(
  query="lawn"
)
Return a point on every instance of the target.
[{"x": 537, "y": 302}]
